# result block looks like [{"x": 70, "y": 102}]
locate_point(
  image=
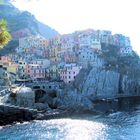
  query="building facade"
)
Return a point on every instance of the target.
[{"x": 69, "y": 72}]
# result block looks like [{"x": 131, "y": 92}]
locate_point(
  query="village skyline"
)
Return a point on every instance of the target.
[{"x": 69, "y": 16}]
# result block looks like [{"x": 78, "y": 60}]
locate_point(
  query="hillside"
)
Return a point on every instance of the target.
[
  {"x": 46, "y": 31},
  {"x": 23, "y": 24},
  {"x": 18, "y": 21}
]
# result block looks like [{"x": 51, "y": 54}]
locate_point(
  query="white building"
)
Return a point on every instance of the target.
[
  {"x": 45, "y": 63},
  {"x": 96, "y": 44},
  {"x": 32, "y": 45},
  {"x": 126, "y": 51},
  {"x": 88, "y": 56}
]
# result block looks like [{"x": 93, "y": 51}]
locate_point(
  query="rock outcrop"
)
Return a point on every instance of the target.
[
  {"x": 99, "y": 83},
  {"x": 11, "y": 114},
  {"x": 73, "y": 101},
  {"x": 118, "y": 76}
]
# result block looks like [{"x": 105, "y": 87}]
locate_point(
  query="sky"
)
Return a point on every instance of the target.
[{"x": 67, "y": 16}]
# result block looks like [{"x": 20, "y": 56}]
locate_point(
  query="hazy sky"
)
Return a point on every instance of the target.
[{"x": 66, "y": 16}]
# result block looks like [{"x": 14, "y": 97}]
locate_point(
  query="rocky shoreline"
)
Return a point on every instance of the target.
[
  {"x": 113, "y": 78},
  {"x": 9, "y": 116}
]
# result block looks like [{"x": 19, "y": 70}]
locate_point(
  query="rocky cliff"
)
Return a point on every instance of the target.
[{"x": 118, "y": 76}]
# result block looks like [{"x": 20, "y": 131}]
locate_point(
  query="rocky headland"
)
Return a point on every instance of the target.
[{"x": 96, "y": 89}]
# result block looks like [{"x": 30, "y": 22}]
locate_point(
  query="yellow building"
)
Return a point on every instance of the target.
[
  {"x": 44, "y": 42},
  {"x": 12, "y": 68}
]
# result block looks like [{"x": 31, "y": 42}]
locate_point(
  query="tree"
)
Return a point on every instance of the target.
[{"x": 5, "y": 36}]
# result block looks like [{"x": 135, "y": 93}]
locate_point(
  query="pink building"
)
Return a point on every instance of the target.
[
  {"x": 69, "y": 72},
  {"x": 35, "y": 71},
  {"x": 5, "y": 60}
]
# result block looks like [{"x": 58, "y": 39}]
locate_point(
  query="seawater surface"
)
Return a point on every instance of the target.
[{"x": 116, "y": 126}]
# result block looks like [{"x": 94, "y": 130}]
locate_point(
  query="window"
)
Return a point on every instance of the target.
[
  {"x": 69, "y": 77},
  {"x": 69, "y": 72},
  {"x": 74, "y": 72},
  {"x": 69, "y": 81},
  {"x": 74, "y": 77}
]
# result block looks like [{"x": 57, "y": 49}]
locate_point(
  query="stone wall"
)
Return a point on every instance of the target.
[{"x": 11, "y": 114}]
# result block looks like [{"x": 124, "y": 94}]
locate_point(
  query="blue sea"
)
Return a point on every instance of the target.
[{"x": 123, "y": 125}]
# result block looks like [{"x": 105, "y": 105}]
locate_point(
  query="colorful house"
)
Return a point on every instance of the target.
[
  {"x": 36, "y": 71},
  {"x": 96, "y": 44},
  {"x": 21, "y": 71},
  {"x": 69, "y": 72},
  {"x": 53, "y": 71},
  {"x": 12, "y": 68},
  {"x": 5, "y": 60},
  {"x": 32, "y": 46},
  {"x": 45, "y": 63}
]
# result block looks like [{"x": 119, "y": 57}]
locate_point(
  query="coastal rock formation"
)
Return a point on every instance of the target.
[
  {"x": 130, "y": 86},
  {"x": 10, "y": 114},
  {"x": 108, "y": 83},
  {"x": 116, "y": 77},
  {"x": 73, "y": 101},
  {"x": 25, "y": 97},
  {"x": 99, "y": 83}
]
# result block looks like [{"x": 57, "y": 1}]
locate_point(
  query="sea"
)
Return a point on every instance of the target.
[{"x": 121, "y": 125}]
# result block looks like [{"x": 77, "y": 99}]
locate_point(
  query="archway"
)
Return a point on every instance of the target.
[{"x": 39, "y": 93}]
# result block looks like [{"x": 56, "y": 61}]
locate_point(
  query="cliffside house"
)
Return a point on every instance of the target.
[{"x": 69, "y": 72}]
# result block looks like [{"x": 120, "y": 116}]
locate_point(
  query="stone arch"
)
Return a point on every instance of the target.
[
  {"x": 39, "y": 93},
  {"x": 52, "y": 93},
  {"x": 36, "y": 87}
]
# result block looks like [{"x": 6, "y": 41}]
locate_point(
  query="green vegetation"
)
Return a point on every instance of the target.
[
  {"x": 126, "y": 65},
  {"x": 5, "y": 36}
]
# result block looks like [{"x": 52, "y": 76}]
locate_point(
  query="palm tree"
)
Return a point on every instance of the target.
[{"x": 5, "y": 36}]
